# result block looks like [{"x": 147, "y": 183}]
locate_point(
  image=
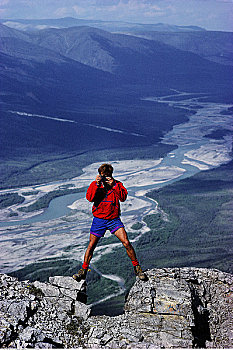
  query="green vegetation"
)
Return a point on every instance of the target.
[
  {"x": 35, "y": 291},
  {"x": 71, "y": 247},
  {"x": 111, "y": 307},
  {"x": 160, "y": 230},
  {"x": 8, "y": 199},
  {"x": 132, "y": 235},
  {"x": 106, "y": 240},
  {"x": 45, "y": 268},
  {"x": 219, "y": 134},
  {"x": 43, "y": 202},
  {"x": 228, "y": 112},
  {"x": 137, "y": 226},
  {"x": 30, "y": 193},
  {"x": 99, "y": 288},
  {"x": 63, "y": 187},
  {"x": 13, "y": 214},
  {"x": 44, "y": 168},
  {"x": 42, "y": 270},
  {"x": 200, "y": 229},
  {"x": 111, "y": 238},
  {"x": 52, "y": 156},
  {"x": 117, "y": 263}
]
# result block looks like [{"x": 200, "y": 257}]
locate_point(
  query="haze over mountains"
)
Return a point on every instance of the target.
[
  {"x": 95, "y": 47},
  {"x": 143, "y": 60},
  {"x": 97, "y": 79},
  {"x": 214, "y": 46},
  {"x": 66, "y": 22}
]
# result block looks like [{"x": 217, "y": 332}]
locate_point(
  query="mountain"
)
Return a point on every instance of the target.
[
  {"x": 116, "y": 26},
  {"x": 175, "y": 307},
  {"x": 82, "y": 65},
  {"x": 93, "y": 81},
  {"x": 211, "y": 45},
  {"x": 44, "y": 67},
  {"x": 130, "y": 59},
  {"x": 82, "y": 44},
  {"x": 6, "y": 32},
  {"x": 136, "y": 60},
  {"x": 18, "y": 48}
]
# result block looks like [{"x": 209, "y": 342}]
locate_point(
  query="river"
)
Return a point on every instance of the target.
[{"x": 62, "y": 231}]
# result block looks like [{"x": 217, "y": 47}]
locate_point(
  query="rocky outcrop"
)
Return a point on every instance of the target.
[
  {"x": 183, "y": 308},
  {"x": 180, "y": 307},
  {"x": 42, "y": 315}
]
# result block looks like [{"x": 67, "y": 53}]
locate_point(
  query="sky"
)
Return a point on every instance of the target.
[{"x": 209, "y": 14}]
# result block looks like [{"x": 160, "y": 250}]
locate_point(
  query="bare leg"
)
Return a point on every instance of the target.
[
  {"x": 122, "y": 236},
  {"x": 91, "y": 247},
  {"x": 81, "y": 275}
]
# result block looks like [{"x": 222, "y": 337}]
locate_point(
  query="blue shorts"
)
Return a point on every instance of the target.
[{"x": 100, "y": 226}]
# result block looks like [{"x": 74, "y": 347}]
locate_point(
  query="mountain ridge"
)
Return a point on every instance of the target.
[
  {"x": 212, "y": 45},
  {"x": 30, "y": 24},
  {"x": 109, "y": 52},
  {"x": 101, "y": 81}
]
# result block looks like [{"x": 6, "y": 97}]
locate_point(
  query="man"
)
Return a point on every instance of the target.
[{"x": 107, "y": 193}]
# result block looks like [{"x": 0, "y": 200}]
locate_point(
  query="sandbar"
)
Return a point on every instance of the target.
[{"x": 213, "y": 154}]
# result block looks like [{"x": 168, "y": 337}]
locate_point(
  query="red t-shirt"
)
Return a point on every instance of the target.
[{"x": 106, "y": 201}]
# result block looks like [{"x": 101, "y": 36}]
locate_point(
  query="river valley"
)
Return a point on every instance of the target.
[{"x": 62, "y": 230}]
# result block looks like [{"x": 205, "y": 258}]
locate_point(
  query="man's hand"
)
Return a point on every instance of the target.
[
  {"x": 109, "y": 181},
  {"x": 98, "y": 179}
]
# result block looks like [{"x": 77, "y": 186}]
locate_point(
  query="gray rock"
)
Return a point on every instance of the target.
[
  {"x": 64, "y": 304},
  {"x": 47, "y": 289},
  {"x": 66, "y": 282},
  {"x": 175, "y": 308},
  {"x": 41, "y": 345},
  {"x": 30, "y": 335},
  {"x": 106, "y": 338},
  {"x": 19, "y": 309},
  {"x": 81, "y": 310},
  {"x": 5, "y": 329},
  {"x": 70, "y": 293}
]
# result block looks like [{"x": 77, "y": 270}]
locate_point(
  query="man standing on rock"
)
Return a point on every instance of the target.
[{"x": 107, "y": 193}]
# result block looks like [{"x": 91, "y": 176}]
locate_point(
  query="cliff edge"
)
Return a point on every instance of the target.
[{"x": 175, "y": 307}]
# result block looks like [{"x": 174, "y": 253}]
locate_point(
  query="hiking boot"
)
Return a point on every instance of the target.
[
  {"x": 81, "y": 275},
  {"x": 138, "y": 272}
]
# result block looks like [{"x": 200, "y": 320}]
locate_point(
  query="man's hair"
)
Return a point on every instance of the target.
[{"x": 106, "y": 169}]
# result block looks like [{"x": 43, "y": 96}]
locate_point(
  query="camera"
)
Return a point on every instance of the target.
[{"x": 103, "y": 178}]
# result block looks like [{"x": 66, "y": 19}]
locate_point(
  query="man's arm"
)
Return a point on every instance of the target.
[
  {"x": 92, "y": 189},
  {"x": 120, "y": 191}
]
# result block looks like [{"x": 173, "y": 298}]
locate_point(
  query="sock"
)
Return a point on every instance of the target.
[
  {"x": 135, "y": 262},
  {"x": 85, "y": 266}
]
